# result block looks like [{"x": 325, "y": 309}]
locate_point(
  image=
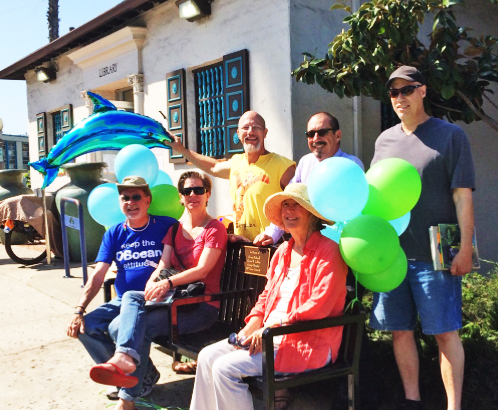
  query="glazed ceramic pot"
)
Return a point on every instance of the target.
[{"x": 84, "y": 177}]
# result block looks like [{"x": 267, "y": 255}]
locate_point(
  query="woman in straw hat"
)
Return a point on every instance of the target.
[{"x": 306, "y": 280}]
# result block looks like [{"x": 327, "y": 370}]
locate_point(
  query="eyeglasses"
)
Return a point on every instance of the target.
[
  {"x": 405, "y": 91},
  {"x": 321, "y": 133},
  {"x": 255, "y": 128},
  {"x": 134, "y": 198},
  {"x": 232, "y": 340},
  {"x": 198, "y": 190}
]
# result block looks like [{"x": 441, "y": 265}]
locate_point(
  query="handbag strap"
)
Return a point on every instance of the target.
[{"x": 174, "y": 233}]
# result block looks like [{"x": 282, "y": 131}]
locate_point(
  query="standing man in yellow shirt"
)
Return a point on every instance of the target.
[{"x": 254, "y": 175}]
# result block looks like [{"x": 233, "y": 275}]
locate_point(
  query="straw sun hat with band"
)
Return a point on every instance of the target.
[{"x": 299, "y": 193}]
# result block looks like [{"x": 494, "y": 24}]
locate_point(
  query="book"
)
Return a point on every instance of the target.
[{"x": 445, "y": 244}]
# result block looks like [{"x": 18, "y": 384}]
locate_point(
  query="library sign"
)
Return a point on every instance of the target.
[{"x": 110, "y": 69}]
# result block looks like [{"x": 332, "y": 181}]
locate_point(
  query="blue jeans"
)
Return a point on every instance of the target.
[
  {"x": 434, "y": 296},
  {"x": 133, "y": 328}
]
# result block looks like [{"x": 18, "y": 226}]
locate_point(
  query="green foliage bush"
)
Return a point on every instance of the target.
[{"x": 480, "y": 340}]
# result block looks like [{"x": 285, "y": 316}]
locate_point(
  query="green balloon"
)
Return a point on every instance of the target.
[
  {"x": 166, "y": 201},
  {"x": 394, "y": 188},
  {"x": 388, "y": 279},
  {"x": 369, "y": 244}
]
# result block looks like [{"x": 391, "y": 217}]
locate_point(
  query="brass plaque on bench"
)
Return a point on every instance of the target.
[{"x": 254, "y": 260}]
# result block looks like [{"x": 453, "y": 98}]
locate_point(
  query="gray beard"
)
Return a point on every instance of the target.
[{"x": 250, "y": 149}]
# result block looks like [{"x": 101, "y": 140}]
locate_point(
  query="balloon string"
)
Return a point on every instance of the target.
[{"x": 352, "y": 303}]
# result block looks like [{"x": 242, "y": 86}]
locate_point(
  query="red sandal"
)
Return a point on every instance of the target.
[{"x": 112, "y": 375}]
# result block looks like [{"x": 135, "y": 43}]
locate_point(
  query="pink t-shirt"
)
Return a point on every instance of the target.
[{"x": 186, "y": 252}]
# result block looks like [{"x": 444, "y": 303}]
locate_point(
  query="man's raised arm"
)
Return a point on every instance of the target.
[{"x": 215, "y": 167}]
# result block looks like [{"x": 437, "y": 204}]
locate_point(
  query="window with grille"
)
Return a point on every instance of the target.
[
  {"x": 221, "y": 97},
  {"x": 62, "y": 123},
  {"x": 11, "y": 155},
  {"x": 25, "y": 155}
]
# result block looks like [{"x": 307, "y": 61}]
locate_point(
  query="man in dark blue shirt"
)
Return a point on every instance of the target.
[{"x": 136, "y": 248}]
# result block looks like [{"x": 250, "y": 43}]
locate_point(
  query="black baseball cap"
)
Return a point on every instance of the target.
[{"x": 407, "y": 73}]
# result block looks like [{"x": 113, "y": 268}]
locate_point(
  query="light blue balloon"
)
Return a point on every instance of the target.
[
  {"x": 338, "y": 189},
  {"x": 103, "y": 205},
  {"x": 163, "y": 179},
  {"x": 136, "y": 160},
  {"x": 400, "y": 224},
  {"x": 333, "y": 232}
]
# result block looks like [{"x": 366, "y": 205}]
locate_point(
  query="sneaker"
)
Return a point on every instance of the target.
[
  {"x": 149, "y": 381},
  {"x": 411, "y": 405},
  {"x": 112, "y": 393}
]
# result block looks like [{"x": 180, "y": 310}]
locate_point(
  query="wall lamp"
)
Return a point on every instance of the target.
[
  {"x": 45, "y": 74},
  {"x": 192, "y": 10}
]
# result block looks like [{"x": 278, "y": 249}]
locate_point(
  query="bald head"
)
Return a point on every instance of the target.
[
  {"x": 252, "y": 133},
  {"x": 254, "y": 116}
]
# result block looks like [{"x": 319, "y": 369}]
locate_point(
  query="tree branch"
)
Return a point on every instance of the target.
[
  {"x": 490, "y": 100},
  {"x": 445, "y": 108},
  {"x": 488, "y": 120}
]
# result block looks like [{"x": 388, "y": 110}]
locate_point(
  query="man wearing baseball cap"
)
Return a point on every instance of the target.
[
  {"x": 135, "y": 246},
  {"x": 441, "y": 153}
]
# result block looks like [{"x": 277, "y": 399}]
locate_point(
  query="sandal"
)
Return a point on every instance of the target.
[
  {"x": 184, "y": 367},
  {"x": 283, "y": 402},
  {"x": 112, "y": 375}
]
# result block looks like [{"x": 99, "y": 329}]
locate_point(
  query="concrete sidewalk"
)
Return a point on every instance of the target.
[{"x": 42, "y": 368}]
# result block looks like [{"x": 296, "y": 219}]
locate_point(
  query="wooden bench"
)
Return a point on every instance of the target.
[{"x": 242, "y": 280}]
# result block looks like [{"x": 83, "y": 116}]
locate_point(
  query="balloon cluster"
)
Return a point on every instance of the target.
[
  {"x": 372, "y": 210},
  {"x": 137, "y": 160}
]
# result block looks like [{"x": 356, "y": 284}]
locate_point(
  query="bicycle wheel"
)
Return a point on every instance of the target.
[{"x": 24, "y": 244}]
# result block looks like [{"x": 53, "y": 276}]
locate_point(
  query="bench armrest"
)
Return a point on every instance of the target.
[
  {"x": 355, "y": 321},
  {"x": 108, "y": 284}
]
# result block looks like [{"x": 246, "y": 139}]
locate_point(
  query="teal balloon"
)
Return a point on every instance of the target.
[
  {"x": 394, "y": 188},
  {"x": 103, "y": 205},
  {"x": 333, "y": 231},
  {"x": 388, "y": 279},
  {"x": 369, "y": 244},
  {"x": 136, "y": 160},
  {"x": 166, "y": 201},
  {"x": 163, "y": 179},
  {"x": 400, "y": 224},
  {"x": 338, "y": 189},
  {"x": 106, "y": 129}
]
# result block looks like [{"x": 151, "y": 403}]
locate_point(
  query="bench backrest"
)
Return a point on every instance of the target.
[{"x": 245, "y": 267}]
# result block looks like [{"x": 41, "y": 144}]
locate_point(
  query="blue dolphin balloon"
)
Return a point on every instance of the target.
[{"x": 106, "y": 129}]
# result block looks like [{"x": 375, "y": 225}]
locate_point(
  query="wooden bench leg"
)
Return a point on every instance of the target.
[{"x": 353, "y": 391}]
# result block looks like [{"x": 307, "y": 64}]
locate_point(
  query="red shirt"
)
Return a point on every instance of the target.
[
  {"x": 186, "y": 252},
  {"x": 320, "y": 293}
]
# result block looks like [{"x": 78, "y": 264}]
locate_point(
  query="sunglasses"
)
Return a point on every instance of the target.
[
  {"x": 197, "y": 190},
  {"x": 405, "y": 91},
  {"x": 232, "y": 340},
  {"x": 321, "y": 133},
  {"x": 134, "y": 198}
]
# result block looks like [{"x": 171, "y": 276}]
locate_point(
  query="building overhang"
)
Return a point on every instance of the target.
[{"x": 101, "y": 26}]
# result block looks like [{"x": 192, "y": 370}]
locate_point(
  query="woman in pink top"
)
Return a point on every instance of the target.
[
  {"x": 306, "y": 280},
  {"x": 198, "y": 251}
]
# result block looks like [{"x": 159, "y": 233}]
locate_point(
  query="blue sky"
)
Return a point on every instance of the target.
[{"x": 24, "y": 29}]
